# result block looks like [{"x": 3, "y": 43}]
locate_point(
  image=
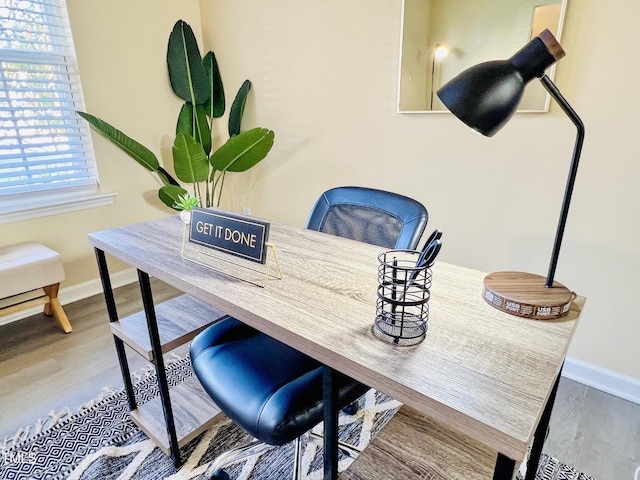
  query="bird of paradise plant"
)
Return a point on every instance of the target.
[{"x": 197, "y": 81}]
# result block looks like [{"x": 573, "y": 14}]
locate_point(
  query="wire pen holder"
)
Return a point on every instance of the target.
[{"x": 402, "y": 307}]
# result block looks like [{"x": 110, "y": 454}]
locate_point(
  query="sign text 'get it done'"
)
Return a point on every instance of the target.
[{"x": 229, "y": 233}]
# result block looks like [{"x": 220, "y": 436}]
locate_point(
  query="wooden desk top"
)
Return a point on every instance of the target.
[{"x": 479, "y": 371}]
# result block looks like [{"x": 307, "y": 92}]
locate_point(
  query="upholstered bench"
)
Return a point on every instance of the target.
[{"x": 28, "y": 267}]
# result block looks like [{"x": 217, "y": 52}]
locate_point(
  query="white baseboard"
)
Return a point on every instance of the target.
[
  {"x": 608, "y": 381},
  {"x": 94, "y": 287},
  {"x": 78, "y": 292}
]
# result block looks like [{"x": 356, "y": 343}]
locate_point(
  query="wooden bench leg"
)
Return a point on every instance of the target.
[{"x": 54, "y": 307}]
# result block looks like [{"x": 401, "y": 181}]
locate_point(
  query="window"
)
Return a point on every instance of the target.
[{"x": 47, "y": 163}]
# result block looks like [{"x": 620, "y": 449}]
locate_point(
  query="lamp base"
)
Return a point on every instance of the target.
[{"x": 525, "y": 295}]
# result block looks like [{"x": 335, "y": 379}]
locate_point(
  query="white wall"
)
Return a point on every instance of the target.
[{"x": 325, "y": 80}]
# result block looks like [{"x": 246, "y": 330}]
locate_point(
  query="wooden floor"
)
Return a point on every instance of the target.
[{"x": 43, "y": 370}]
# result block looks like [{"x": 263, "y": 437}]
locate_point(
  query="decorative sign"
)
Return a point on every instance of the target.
[{"x": 229, "y": 233}]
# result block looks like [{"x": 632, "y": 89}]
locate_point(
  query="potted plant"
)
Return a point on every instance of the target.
[
  {"x": 185, "y": 203},
  {"x": 197, "y": 81}
]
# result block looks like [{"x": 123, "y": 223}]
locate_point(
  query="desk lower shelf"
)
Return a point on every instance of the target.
[
  {"x": 179, "y": 321},
  {"x": 193, "y": 413},
  {"x": 413, "y": 446}
]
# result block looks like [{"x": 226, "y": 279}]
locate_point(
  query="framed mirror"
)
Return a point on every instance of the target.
[{"x": 441, "y": 38}]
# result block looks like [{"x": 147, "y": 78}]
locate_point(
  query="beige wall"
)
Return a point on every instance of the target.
[
  {"x": 121, "y": 49},
  {"x": 325, "y": 79}
]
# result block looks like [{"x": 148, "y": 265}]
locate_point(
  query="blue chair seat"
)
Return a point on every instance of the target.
[{"x": 265, "y": 386}]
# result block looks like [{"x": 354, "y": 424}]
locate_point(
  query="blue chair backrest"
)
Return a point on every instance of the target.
[{"x": 373, "y": 216}]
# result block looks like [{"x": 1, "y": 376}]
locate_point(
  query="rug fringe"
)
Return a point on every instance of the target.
[
  {"x": 54, "y": 418},
  {"x": 39, "y": 426}
]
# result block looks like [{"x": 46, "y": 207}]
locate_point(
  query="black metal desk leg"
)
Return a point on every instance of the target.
[
  {"x": 113, "y": 317},
  {"x": 505, "y": 467},
  {"x": 158, "y": 361},
  {"x": 330, "y": 398},
  {"x": 541, "y": 433}
]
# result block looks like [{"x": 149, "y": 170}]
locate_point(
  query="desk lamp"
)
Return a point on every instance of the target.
[{"x": 485, "y": 97}]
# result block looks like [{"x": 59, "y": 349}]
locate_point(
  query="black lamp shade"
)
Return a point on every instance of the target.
[{"x": 487, "y": 95}]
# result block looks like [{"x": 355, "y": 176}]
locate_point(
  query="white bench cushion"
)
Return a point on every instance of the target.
[{"x": 28, "y": 266}]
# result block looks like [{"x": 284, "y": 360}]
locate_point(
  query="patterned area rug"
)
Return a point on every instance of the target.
[{"x": 100, "y": 442}]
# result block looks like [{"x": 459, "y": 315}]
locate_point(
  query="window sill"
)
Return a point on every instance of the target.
[{"x": 48, "y": 204}]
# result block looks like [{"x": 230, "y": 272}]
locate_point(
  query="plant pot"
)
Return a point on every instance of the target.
[{"x": 185, "y": 215}]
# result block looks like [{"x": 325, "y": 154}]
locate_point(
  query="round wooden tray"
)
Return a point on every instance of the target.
[{"x": 525, "y": 295}]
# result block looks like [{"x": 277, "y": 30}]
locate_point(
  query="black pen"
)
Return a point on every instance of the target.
[{"x": 425, "y": 261}]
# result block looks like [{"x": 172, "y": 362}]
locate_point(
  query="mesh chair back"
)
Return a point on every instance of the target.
[{"x": 373, "y": 216}]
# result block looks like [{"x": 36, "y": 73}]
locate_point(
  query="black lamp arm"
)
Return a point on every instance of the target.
[{"x": 573, "y": 170}]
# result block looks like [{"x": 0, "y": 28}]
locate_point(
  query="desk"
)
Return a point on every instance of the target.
[{"x": 484, "y": 373}]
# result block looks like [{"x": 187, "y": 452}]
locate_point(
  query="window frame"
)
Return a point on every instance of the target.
[{"x": 55, "y": 198}]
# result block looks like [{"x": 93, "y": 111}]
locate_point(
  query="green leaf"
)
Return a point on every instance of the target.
[
  {"x": 237, "y": 108},
  {"x": 185, "y": 120},
  {"x": 186, "y": 71},
  {"x": 243, "y": 151},
  {"x": 169, "y": 195},
  {"x": 189, "y": 160},
  {"x": 195, "y": 126},
  {"x": 135, "y": 150},
  {"x": 166, "y": 177},
  {"x": 215, "y": 106}
]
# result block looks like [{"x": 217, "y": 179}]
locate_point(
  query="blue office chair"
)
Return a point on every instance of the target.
[{"x": 279, "y": 400}]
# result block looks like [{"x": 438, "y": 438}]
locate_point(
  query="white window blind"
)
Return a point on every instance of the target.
[{"x": 44, "y": 146}]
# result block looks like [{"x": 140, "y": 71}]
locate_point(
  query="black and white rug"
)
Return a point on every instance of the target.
[{"x": 101, "y": 442}]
